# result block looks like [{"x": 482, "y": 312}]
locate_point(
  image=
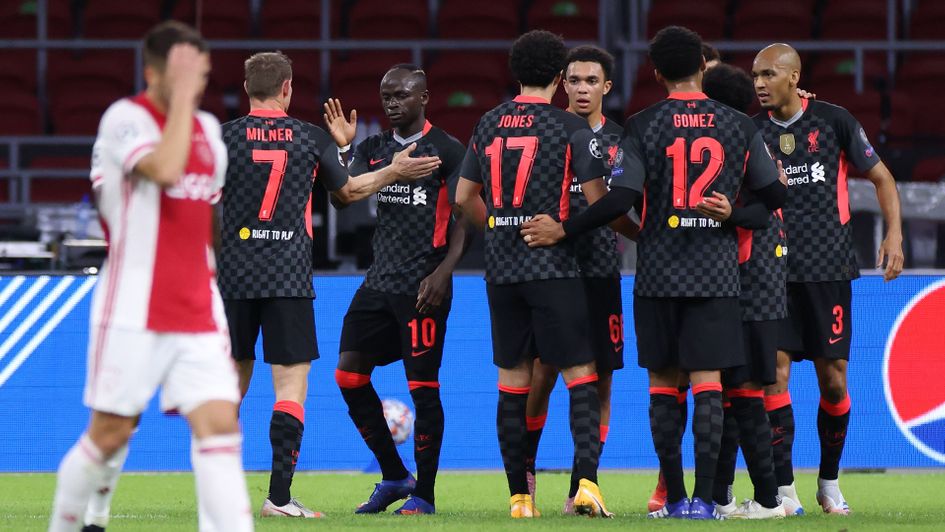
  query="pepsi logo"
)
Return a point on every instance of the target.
[{"x": 912, "y": 369}]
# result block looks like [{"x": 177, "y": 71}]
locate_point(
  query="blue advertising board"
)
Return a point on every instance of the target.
[{"x": 898, "y": 403}]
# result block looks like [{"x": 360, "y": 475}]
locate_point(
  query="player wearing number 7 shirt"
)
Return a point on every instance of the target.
[
  {"x": 266, "y": 249},
  {"x": 686, "y": 309},
  {"x": 525, "y": 154}
]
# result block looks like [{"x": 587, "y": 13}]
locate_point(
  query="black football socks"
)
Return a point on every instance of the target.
[
  {"x": 755, "y": 437},
  {"x": 585, "y": 429},
  {"x": 427, "y": 435},
  {"x": 707, "y": 435},
  {"x": 512, "y": 432},
  {"x": 832, "y": 421},
  {"x": 664, "y": 426},
  {"x": 728, "y": 454},
  {"x": 366, "y": 411},
  {"x": 285, "y": 436},
  {"x": 781, "y": 417}
]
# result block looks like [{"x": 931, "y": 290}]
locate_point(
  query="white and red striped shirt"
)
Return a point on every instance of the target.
[{"x": 159, "y": 274}]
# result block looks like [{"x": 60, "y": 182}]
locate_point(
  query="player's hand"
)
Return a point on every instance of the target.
[
  {"x": 542, "y": 231},
  {"x": 782, "y": 177},
  {"x": 413, "y": 168},
  {"x": 804, "y": 94},
  {"x": 185, "y": 72},
  {"x": 890, "y": 252},
  {"x": 341, "y": 130},
  {"x": 433, "y": 289},
  {"x": 716, "y": 207}
]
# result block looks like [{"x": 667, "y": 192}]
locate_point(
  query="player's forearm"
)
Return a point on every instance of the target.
[
  {"x": 772, "y": 196},
  {"x": 460, "y": 238},
  {"x": 165, "y": 165},
  {"x": 626, "y": 227},
  {"x": 752, "y": 216},
  {"x": 367, "y": 184},
  {"x": 473, "y": 210},
  {"x": 614, "y": 204},
  {"x": 888, "y": 197}
]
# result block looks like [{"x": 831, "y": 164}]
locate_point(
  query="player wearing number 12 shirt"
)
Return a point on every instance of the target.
[
  {"x": 525, "y": 154},
  {"x": 266, "y": 251},
  {"x": 686, "y": 309}
]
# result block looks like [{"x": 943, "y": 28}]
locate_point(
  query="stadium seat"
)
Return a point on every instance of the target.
[
  {"x": 770, "y": 21},
  {"x": 59, "y": 189},
  {"x": 458, "y": 121},
  {"x": 19, "y": 69},
  {"x": 227, "y": 68},
  {"x": 841, "y": 67},
  {"x": 854, "y": 20},
  {"x": 473, "y": 71},
  {"x": 930, "y": 170},
  {"x": 20, "y": 111},
  {"x": 120, "y": 19},
  {"x": 306, "y": 101},
  {"x": 82, "y": 85},
  {"x": 218, "y": 20},
  {"x": 356, "y": 79},
  {"x": 922, "y": 74},
  {"x": 295, "y": 19},
  {"x": 381, "y": 19},
  {"x": 645, "y": 93},
  {"x": 18, "y": 19},
  {"x": 928, "y": 20},
  {"x": 574, "y": 19},
  {"x": 705, "y": 17},
  {"x": 461, "y": 19},
  {"x": 214, "y": 102}
]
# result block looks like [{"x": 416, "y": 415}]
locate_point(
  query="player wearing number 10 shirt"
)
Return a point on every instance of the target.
[
  {"x": 266, "y": 251},
  {"x": 525, "y": 154}
]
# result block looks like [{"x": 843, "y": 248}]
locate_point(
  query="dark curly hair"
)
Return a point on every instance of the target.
[
  {"x": 537, "y": 57},
  {"x": 729, "y": 85},
  {"x": 676, "y": 52},
  {"x": 710, "y": 53},
  {"x": 592, "y": 54}
]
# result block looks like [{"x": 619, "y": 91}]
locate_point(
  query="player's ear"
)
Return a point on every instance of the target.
[
  {"x": 795, "y": 78},
  {"x": 424, "y": 98},
  {"x": 245, "y": 88},
  {"x": 287, "y": 88},
  {"x": 607, "y": 86}
]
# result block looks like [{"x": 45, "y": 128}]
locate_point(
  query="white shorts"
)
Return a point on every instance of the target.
[{"x": 126, "y": 367}]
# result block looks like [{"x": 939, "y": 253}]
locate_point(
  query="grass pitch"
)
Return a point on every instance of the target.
[{"x": 479, "y": 501}]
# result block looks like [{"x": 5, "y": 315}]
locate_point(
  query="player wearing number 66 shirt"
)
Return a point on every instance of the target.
[
  {"x": 266, "y": 249},
  {"x": 525, "y": 155},
  {"x": 686, "y": 309}
]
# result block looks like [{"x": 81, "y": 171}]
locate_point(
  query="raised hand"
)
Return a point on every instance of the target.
[
  {"x": 341, "y": 130},
  {"x": 185, "y": 72}
]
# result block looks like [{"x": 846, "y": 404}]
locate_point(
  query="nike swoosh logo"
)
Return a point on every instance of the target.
[
  {"x": 617, "y": 348},
  {"x": 423, "y": 447},
  {"x": 419, "y": 353},
  {"x": 834, "y": 340},
  {"x": 375, "y": 161}
]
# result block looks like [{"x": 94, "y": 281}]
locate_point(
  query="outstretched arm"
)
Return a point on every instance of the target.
[{"x": 890, "y": 251}]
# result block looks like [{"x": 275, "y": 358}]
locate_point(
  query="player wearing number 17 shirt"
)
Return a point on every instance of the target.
[
  {"x": 525, "y": 154},
  {"x": 686, "y": 309},
  {"x": 266, "y": 250}
]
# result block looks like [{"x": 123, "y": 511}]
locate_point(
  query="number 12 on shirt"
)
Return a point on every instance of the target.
[
  {"x": 528, "y": 147},
  {"x": 677, "y": 153}
]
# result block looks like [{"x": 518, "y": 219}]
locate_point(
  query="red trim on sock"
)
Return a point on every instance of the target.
[
  {"x": 664, "y": 390},
  {"x": 682, "y": 395},
  {"x": 292, "y": 408},
  {"x": 742, "y": 392},
  {"x": 226, "y": 449},
  {"x": 836, "y": 409},
  {"x": 778, "y": 400},
  {"x": 726, "y": 404},
  {"x": 413, "y": 385},
  {"x": 582, "y": 380},
  {"x": 347, "y": 379},
  {"x": 706, "y": 387},
  {"x": 604, "y": 431},
  {"x": 536, "y": 422},
  {"x": 516, "y": 390}
]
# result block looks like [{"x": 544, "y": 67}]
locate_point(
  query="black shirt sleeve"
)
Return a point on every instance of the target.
[
  {"x": 331, "y": 170},
  {"x": 470, "y": 168},
  {"x": 452, "y": 154},
  {"x": 587, "y": 159},
  {"x": 359, "y": 159},
  {"x": 854, "y": 142},
  {"x": 614, "y": 204},
  {"x": 629, "y": 169},
  {"x": 754, "y": 215},
  {"x": 760, "y": 168}
]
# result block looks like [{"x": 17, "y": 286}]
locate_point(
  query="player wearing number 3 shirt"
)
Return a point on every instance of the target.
[
  {"x": 525, "y": 155},
  {"x": 266, "y": 250}
]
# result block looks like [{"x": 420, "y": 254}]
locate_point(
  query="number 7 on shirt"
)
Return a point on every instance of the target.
[{"x": 278, "y": 159}]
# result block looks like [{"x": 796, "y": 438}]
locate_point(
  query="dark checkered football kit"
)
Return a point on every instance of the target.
[
  {"x": 815, "y": 151},
  {"x": 762, "y": 255},
  {"x": 676, "y": 152},
  {"x": 597, "y": 250},
  {"x": 413, "y": 218},
  {"x": 266, "y": 248},
  {"x": 540, "y": 150}
]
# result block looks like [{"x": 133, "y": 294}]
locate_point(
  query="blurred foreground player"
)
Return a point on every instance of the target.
[
  {"x": 157, "y": 318},
  {"x": 266, "y": 251},
  {"x": 686, "y": 311},
  {"x": 525, "y": 154},
  {"x": 587, "y": 80},
  {"x": 401, "y": 309},
  {"x": 817, "y": 142}
]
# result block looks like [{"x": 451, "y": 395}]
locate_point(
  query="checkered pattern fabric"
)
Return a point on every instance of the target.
[
  {"x": 680, "y": 252},
  {"x": 763, "y": 275},
  {"x": 707, "y": 419},
  {"x": 510, "y": 426},
  {"x": 755, "y": 435},
  {"x": 597, "y": 250},
  {"x": 539, "y": 149},
  {"x": 413, "y": 219},
  {"x": 728, "y": 457},
  {"x": 782, "y": 443},
  {"x": 665, "y": 428},
  {"x": 585, "y": 431},
  {"x": 266, "y": 242},
  {"x": 815, "y": 151},
  {"x": 285, "y": 436}
]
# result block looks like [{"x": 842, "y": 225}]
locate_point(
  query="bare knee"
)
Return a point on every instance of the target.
[
  {"x": 214, "y": 418},
  {"x": 291, "y": 381},
  {"x": 578, "y": 372},
  {"x": 110, "y": 432},
  {"x": 244, "y": 370}
]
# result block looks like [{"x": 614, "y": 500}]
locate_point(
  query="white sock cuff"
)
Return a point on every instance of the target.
[
  {"x": 90, "y": 450},
  {"x": 219, "y": 443}
]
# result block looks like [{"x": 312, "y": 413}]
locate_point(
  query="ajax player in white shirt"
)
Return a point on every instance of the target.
[{"x": 157, "y": 318}]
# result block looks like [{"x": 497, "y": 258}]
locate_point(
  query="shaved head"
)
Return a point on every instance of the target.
[
  {"x": 781, "y": 55},
  {"x": 404, "y": 97}
]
